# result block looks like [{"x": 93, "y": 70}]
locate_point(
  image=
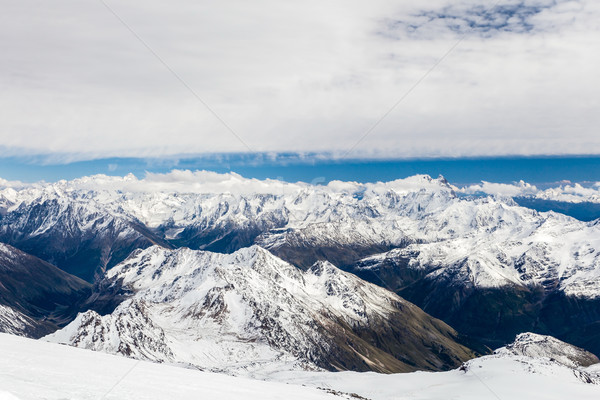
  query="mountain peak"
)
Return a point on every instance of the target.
[
  {"x": 249, "y": 309},
  {"x": 538, "y": 346}
]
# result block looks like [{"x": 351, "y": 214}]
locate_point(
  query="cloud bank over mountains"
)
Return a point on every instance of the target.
[
  {"x": 208, "y": 182},
  {"x": 565, "y": 192},
  {"x": 147, "y": 79}
]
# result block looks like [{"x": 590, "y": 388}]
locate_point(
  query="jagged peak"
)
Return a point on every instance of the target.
[
  {"x": 143, "y": 268},
  {"x": 244, "y": 253},
  {"x": 323, "y": 268}
]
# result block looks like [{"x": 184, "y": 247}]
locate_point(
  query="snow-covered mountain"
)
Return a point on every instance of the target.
[
  {"x": 75, "y": 233},
  {"x": 500, "y": 270},
  {"x": 543, "y": 346},
  {"x": 303, "y": 223},
  {"x": 90, "y": 224},
  {"x": 485, "y": 265},
  {"x": 250, "y": 311},
  {"x": 502, "y": 245},
  {"x": 36, "y": 297}
]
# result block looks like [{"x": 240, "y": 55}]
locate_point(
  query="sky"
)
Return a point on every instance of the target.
[
  {"x": 494, "y": 175},
  {"x": 101, "y": 80}
]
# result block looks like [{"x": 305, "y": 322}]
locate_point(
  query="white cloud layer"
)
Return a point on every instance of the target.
[
  {"x": 308, "y": 76},
  {"x": 570, "y": 193},
  {"x": 501, "y": 189},
  {"x": 575, "y": 193},
  {"x": 208, "y": 182}
]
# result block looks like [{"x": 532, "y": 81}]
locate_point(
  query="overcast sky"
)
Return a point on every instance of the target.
[{"x": 89, "y": 79}]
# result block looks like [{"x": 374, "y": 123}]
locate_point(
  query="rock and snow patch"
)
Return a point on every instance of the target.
[
  {"x": 547, "y": 347},
  {"x": 14, "y": 322}
]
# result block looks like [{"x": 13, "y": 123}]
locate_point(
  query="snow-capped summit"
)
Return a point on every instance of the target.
[
  {"x": 250, "y": 311},
  {"x": 543, "y": 346}
]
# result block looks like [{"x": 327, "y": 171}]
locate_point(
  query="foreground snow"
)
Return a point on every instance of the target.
[
  {"x": 32, "y": 369},
  {"x": 486, "y": 378}
]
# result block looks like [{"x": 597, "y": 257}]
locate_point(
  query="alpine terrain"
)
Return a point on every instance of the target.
[
  {"x": 222, "y": 273},
  {"x": 250, "y": 311}
]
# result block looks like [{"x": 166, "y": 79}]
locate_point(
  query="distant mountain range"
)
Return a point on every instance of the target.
[{"x": 486, "y": 266}]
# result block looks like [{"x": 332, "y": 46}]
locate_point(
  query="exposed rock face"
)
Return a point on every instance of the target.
[{"x": 35, "y": 297}]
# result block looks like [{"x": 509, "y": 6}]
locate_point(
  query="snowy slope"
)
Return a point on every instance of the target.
[
  {"x": 35, "y": 369},
  {"x": 507, "y": 374},
  {"x": 32, "y": 370},
  {"x": 251, "y": 311}
]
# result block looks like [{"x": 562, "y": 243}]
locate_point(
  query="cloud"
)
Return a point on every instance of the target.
[
  {"x": 308, "y": 77},
  {"x": 208, "y": 182},
  {"x": 481, "y": 18},
  {"x": 570, "y": 193},
  {"x": 11, "y": 184},
  {"x": 182, "y": 181},
  {"x": 576, "y": 193},
  {"x": 501, "y": 189}
]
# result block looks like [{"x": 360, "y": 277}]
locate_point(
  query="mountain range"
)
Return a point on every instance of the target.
[{"x": 486, "y": 266}]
